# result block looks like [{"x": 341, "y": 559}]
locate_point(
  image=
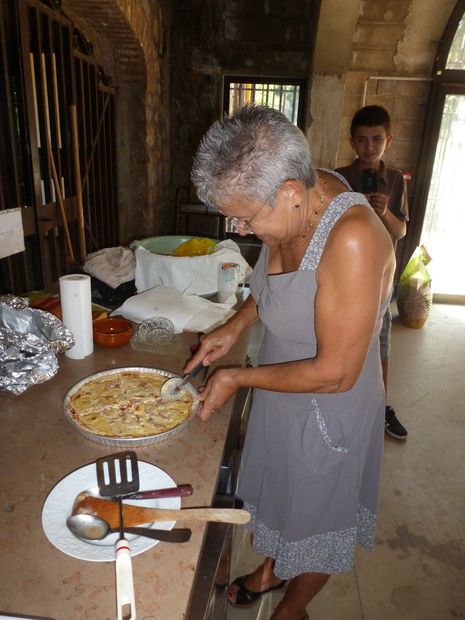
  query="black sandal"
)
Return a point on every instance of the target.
[{"x": 246, "y": 597}]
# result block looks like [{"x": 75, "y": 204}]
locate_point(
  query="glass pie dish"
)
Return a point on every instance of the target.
[{"x": 127, "y": 441}]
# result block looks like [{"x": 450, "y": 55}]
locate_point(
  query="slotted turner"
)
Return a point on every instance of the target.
[{"x": 118, "y": 475}]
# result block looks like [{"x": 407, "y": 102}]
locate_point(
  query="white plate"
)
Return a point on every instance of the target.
[{"x": 58, "y": 505}]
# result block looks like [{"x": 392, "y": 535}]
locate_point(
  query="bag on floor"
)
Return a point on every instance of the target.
[{"x": 414, "y": 293}]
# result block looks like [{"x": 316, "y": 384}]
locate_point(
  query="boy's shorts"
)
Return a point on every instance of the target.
[{"x": 385, "y": 335}]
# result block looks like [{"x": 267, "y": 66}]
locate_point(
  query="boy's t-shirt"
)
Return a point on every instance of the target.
[{"x": 390, "y": 182}]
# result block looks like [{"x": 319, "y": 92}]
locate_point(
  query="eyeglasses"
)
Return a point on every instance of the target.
[{"x": 243, "y": 226}]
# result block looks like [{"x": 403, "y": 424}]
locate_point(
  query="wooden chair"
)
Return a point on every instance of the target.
[{"x": 190, "y": 212}]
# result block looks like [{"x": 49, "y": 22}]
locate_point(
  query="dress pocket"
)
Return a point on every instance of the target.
[{"x": 323, "y": 443}]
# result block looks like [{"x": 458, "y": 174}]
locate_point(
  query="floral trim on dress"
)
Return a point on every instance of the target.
[{"x": 331, "y": 553}]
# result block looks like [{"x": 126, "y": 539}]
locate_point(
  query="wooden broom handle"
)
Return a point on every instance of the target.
[
  {"x": 77, "y": 183},
  {"x": 56, "y": 183}
]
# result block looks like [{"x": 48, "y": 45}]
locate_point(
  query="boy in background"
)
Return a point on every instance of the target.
[{"x": 386, "y": 191}]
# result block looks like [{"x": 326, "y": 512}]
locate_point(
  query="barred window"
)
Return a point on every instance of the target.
[{"x": 287, "y": 96}]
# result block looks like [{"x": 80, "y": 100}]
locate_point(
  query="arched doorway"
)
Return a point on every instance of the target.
[{"x": 440, "y": 219}]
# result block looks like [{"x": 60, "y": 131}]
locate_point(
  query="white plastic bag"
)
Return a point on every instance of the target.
[{"x": 196, "y": 275}]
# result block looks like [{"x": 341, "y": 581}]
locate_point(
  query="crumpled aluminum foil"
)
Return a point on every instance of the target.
[{"x": 30, "y": 341}]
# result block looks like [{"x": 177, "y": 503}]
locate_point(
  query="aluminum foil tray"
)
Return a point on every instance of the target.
[{"x": 127, "y": 442}]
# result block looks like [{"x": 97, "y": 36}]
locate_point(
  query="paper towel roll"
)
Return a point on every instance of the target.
[{"x": 76, "y": 308}]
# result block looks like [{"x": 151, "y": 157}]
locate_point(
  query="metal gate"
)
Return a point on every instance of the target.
[{"x": 58, "y": 164}]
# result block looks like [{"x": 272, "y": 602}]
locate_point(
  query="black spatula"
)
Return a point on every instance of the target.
[{"x": 118, "y": 475}]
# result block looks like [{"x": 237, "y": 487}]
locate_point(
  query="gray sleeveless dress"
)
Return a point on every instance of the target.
[{"x": 311, "y": 462}]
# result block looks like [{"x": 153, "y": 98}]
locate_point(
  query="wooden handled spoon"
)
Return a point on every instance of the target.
[{"x": 135, "y": 515}]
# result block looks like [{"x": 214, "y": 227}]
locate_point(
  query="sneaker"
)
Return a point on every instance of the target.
[{"x": 392, "y": 426}]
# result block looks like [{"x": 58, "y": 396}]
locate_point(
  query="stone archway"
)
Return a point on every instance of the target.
[{"x": 128, "y": 41}]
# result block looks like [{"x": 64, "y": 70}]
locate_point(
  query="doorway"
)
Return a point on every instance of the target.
[
  {"x": 444, "y": 223},
  {"x": 439, "y": 217}
]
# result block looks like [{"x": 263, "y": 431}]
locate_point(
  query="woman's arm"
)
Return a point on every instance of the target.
[{"x": 353, "y": 278}]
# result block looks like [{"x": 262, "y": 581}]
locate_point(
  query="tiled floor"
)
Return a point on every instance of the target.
[{"x": 417, "y": 569}]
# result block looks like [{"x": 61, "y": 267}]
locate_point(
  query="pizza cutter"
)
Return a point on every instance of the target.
[{"x": 172, "y": 386}]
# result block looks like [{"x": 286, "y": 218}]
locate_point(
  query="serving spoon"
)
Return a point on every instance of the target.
[{"x": 91, "y": 527}]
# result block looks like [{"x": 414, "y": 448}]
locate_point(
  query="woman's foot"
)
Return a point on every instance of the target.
[
  {"x": 247, "y": 589},
  {"x": 300, "y": 591}
]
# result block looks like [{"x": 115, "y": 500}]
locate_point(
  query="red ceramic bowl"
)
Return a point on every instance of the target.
[{"x": 112, "y": 332}]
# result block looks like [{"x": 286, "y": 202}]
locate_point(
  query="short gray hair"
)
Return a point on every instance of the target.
[{"x": 250, "y": 155}]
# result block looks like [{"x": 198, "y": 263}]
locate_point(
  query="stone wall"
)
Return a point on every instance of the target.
[
  {"x": 130, "y": 40},
  {"x": 210, "y": 38},
  {"x": 384, "y": 55},
  {"x": 168, "y": 58},
  {"x": 396, "y": 39},
  {"x": 380, "y": 29}
]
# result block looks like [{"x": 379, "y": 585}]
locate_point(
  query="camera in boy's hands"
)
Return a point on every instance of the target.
[{"x": 369, "y": 181}]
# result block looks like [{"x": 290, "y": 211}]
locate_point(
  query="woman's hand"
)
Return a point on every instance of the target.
[
  {"x": 219, "y": 389},
  {"x": 213, "y": 346}
]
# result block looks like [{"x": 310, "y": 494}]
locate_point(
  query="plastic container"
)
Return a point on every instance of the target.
[{"x": 228, "y": 282}]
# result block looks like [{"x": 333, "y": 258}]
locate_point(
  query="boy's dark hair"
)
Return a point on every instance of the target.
[{"x": 369, "y": 116}]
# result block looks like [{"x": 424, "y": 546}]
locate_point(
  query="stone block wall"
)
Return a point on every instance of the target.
[
  {"x": 381, "y": 39},
  {"x": 130, "y": 40},
  {"x": 378, "y": 74},
  {"x": 211, "y": 38},
  {"x": 405, "y": 101}
]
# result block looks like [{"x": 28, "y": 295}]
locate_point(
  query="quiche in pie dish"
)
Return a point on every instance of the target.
[{"x": 126, "y": 404}]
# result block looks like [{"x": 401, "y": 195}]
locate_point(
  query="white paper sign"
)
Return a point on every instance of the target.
[{"x": 11, "y": 232}]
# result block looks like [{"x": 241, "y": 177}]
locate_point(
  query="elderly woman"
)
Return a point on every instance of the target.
[{"x": 311, "y": 462}]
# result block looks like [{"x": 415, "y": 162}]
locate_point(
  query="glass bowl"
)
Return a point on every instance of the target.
[{"x": 154, "y": 334}]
